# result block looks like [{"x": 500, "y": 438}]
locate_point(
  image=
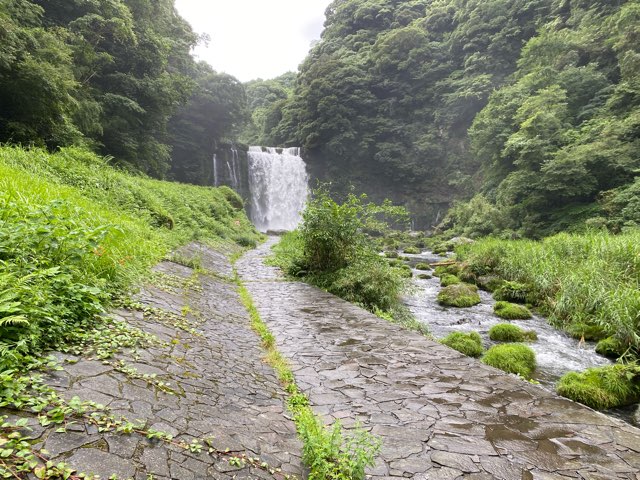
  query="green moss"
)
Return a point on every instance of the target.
[
  {"x": 440, "y": 270},
  {"x": 591, "y": 333},
  {"x": 512, "y": 358},
  {"x": 602, "y": 387},
  {"x": 459, "y": 295},
  {"x": 411, "y": 250},
  {"x": 391, "y": 254},
  {"x": 512, "y": 292},
  {"x": 469, "y": 344},
  {"x": 506, "y": 332},
  {"x": 610, "y": 347},
  {"x": 448, "y": 279},
  {"x": 511, "y": 311},
  {"x": 423, "y": 266},
  {"x": 424, "y": 276}
]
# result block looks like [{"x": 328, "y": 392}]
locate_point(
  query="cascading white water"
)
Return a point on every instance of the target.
[
  {"x": 215, "y": 170},
  {"x": 278, "y": 183}
]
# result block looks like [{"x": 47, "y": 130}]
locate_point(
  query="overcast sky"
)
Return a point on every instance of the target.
[{"x": 255, "y": 38}]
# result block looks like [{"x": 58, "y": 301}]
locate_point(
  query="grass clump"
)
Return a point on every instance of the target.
[
  {"x": 512, "y": 358},
  {"x": 469, "y": 344},
  {"x": 602, "y": 387},
  {"x": 511, "y": 311},
  {"x": 591, "y": 333},
  {"x": 411, "y": 250},
  {"x": 459, "y": 295},
  {"x": 423, "y": 266},
  {"x": 506, "y": 332},
  {"x": 453, "y": 269},
  {"x": 589, "y": 278},
  {"x": 448, "y": 279},
  {"x": 610, "y": 347},
  {"x": 511, "y": 292}
]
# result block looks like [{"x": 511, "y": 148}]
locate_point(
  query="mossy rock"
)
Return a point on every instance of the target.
[
  {"x": 490, "y": 283},
  {"x": 424, "y": 276},
  {"x": 452, "y": 269},
  {"x": 591, "y": 333},
  {"x": 405, "y": 270},
  {"x": 512, "y": 292},
  {"x": 512, "y": 358},
  {"x": 394, "y": 262},
  {"x": 448, "y": 279},
  {"x": 423, "y": 266},
  {"x": 506, "y": 332},
  {"x": 391, "y": 254},
  {"x": 411, "y": 250},
  {"x": 511, "y": 311},
  {"x": 610, "y": 347},
  {"x": 439, "y": 249},
  {"x": 602, "y": 387},
  {"x": 459, "y": 295},
  {"x": 469, "y": 344}
]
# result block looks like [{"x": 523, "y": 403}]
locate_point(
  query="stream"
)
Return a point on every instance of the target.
[{"x": 556, "y": 352}]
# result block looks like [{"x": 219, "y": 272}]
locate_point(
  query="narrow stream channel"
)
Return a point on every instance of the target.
[{"x": 556, "y": 352}]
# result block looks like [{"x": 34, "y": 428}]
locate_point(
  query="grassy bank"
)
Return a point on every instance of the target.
[
  {"x": 75, "y": 233},
  {"x": 578, "y": 280}
]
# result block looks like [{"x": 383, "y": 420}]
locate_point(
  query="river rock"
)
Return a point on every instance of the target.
[{"x": 636, "y": 417}]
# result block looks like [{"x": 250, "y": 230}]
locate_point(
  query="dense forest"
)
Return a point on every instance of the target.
[
  {"x": 532, "y": 105},
  {"x": 523, "y": 114}
]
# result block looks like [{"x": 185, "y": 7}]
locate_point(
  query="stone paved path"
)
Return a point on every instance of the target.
[
  {"x": 440, "y": 415},
  {"x": 225, "y": 391}
]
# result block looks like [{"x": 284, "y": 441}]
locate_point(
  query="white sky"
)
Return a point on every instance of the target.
[{"x": 255, "y": 38}]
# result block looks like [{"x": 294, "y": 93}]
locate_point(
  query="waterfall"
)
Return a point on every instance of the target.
[
  {"x": 278, "y": 183},
  {"x": 215, "y": 170}
]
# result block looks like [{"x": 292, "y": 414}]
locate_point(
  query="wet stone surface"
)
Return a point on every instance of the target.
[
  {"x": 223, "y": 390},
  {"x": 439, "y": 414}
]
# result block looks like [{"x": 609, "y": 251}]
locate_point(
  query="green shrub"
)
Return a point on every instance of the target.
[
  {"x": 459, "y": 295},
  {"x": 610, "y": 347},
  {"x": 602, "y": 387},
  {"x": 448, "y": 279},
  {"x": 512, "y": 292},
  {"x": 423, "y": 266},
  {"x": 511, "y": 311},
  {"x": 411, "y": 250},
  {"x": 590, "y": 333},
  {"x": 506, "y": 332},
  {"x": 469, "y": 344},
  {"x": 512, "y": 358}
]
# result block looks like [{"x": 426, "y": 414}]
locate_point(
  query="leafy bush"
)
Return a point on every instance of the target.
[
  {"x": 332, "y": 250},
  {"x": 511, "y": 311},
  {"x": 590, "y": 333},
  {"x": 460, "y": 295},
  {"x": 506, "y": 332},
  {"x": 469, "y": 344},
  {"x": 448, "y": 279},
  {"x": 602, "y": 387},
  {"x": 512, "y": 358}
]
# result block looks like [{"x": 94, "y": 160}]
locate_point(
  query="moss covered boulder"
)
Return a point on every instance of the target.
[
  {"x": 511, "y": 311},
  {"x": 412, "y": 250},
  {"x": 423, "y": 266},
  {"x": 506, "y": 332},
  {"x": 469, "y": 344},
  {"x": 610, "y": 347},
  {"x": 452, "y": 269},
  {"x": 391, "y": 254},
  {"x": 512, "y": 358},
  {"x": 424, "y": 276},
  {"x": 602, "y": 387},
  {"x": 459, "y": 295},
  {"x": 448, "y": 279}
]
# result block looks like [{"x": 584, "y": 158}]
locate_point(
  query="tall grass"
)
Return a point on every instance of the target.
[
  {"x": 591, "y": 278},
  {"x": 74, "y": 232}
]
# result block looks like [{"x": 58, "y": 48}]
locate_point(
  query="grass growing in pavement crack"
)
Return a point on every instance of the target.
[{"x": 327, "y": 451}]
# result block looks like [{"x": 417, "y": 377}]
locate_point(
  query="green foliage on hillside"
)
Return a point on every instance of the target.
[
  {"x": 109, "y": 75},
  {"x": 74, "y": 233}
]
